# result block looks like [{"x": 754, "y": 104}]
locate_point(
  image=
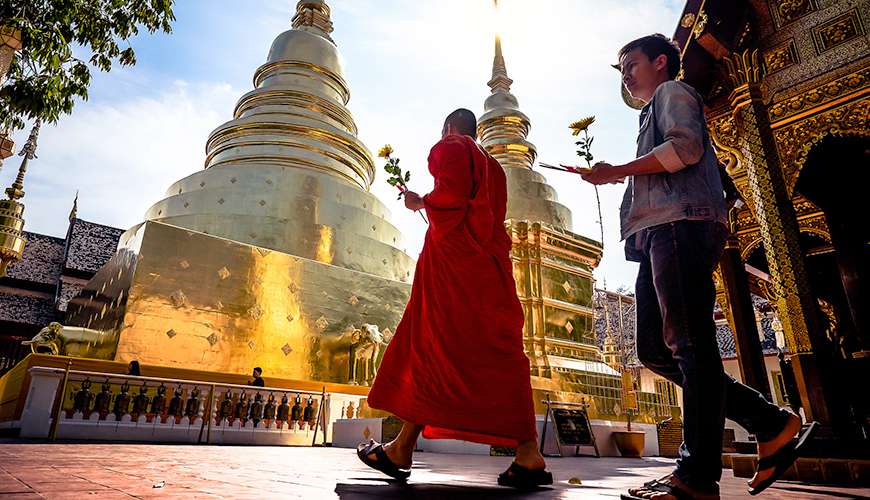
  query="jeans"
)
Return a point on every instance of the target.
[{"x": 676, "y": 339}]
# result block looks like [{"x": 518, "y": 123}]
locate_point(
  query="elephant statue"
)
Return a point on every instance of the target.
[{"x": 57, "y": 339}]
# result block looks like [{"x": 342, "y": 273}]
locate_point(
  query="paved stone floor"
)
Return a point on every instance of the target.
[{"x": 109, "y": 471}]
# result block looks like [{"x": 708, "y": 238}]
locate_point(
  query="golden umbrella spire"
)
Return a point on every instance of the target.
[
  {"x": 313, "y": 16},
  {"x": 12, "y": 239},
  {"x": 500, "y": 81},
  {"x": 16, "y": 191},
  {"x": 503, "y": 130},
  {"x": 74, "y": 212}
]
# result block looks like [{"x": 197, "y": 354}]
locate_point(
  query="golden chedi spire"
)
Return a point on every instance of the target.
[
  {"x": 313, "y": 16},
  {"x": 503, "y": 130},
  {"x": 288, "y": 172},
  {"x": 12, "y": 239}
]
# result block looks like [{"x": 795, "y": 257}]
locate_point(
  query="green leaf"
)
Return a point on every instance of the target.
[{"x": 45, "y": 79}]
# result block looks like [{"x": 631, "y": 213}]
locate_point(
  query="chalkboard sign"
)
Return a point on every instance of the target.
[{"x": 572, "y": 427}]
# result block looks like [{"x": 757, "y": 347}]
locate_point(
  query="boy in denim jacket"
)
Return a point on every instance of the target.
[{"x": 673, "y": 219}]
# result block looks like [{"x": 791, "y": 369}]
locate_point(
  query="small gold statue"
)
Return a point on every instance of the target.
[
  {"x": 48, "y": 339},
  {"x": 59, "y": 340},
  {"x": 366, "y": 345}
]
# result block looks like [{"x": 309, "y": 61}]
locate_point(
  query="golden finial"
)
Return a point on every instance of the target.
[
  {"x": 75, "y": 208},
  {"x": 16, "y": 191},
  {"x": 500, "y": 81},
  {"x": 313, "y": 16},
  {"x": 12, "y": 239}
]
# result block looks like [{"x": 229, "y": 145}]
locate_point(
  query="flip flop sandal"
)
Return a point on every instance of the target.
[
  {"x": 782, "y": 459},
  {"x": 522, "y": 478},
  {"x": 383, "y": 462},
  {"x": 660, "y": 487}
]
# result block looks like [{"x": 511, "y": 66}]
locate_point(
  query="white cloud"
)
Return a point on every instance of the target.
[{"x": 122, "y": 157}]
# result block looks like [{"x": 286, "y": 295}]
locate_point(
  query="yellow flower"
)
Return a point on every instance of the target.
[
  {"x": 385, "y": 151},
  {"x": 581, "y": 125}
]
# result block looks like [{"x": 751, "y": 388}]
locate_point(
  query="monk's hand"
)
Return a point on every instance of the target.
[
  {"x": 413, "y": 201},
  {"x": 603, "y": 173}
]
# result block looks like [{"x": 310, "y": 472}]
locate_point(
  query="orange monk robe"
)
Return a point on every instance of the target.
[{"x": 456, "y": 363}]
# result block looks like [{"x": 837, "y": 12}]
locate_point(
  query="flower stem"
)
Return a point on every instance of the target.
[{"x": 597, "y": 198}]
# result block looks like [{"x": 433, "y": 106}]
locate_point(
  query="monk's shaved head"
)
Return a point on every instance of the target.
[{"x": 462, "y": 122}]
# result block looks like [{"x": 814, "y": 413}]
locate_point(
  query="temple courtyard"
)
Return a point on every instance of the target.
[{"x": 108, "y": 471}]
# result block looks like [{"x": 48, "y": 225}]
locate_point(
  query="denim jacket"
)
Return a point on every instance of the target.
[{"x": 674, "y": 129}]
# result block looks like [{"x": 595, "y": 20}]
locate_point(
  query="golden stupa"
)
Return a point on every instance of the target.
[
  {"x": 275, "y": 254},
  {"x": 552, "y": 265}
]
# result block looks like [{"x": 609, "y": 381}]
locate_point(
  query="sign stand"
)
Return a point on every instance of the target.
[{"x": 571, "y": 425}]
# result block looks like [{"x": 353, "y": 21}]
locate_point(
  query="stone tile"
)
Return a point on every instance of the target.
[
  {"x": 84, "y": 495},
  {"x": 66, "y": 470},
  {"x": 9, "y": 485}
]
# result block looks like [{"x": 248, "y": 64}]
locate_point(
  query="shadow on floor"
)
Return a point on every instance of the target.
[{"x": 422, "y": 491}]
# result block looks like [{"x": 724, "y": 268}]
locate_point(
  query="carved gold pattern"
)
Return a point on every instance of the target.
[
  {"x": 688, "y": 20},
  {"x": 795, "y": 141},
  {"x": 790, "y": 10},
  {"x": 820, "y": 95},
  {"x": 701, "y": 24},
  {"x": 780, "y": 57},
  {"x": 838, "y": 31},
  {"x": 743, "y": 68},
  {"x": 776, "y": 218}
]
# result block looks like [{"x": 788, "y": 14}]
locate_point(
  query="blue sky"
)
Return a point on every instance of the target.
[{"x": 408, "y": 63}]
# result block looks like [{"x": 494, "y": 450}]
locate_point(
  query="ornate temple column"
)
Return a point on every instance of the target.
[
  {"x": 779, "y": 228},
  {"x": 741, "y": 316}
]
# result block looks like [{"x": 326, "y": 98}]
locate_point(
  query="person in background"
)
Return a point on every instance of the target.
[
  {"x": 258, "y": 378},
  {"x": 133, "y": 369}
]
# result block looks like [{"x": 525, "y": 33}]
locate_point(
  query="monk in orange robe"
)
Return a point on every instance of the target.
[{"x": 455, "y": 368}]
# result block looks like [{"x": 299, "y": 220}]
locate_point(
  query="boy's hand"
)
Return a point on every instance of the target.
[
  {"x": 413, "y": 201},
  {"x": 604, "y": 173}
]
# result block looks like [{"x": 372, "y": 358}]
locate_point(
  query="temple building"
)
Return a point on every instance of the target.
[
  {"x": 37, "y": 289},
  {"x": 787, "y": 90}
]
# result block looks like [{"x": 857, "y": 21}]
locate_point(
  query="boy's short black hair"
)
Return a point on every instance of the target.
[
  {"x": 654, "y": 46},
  {"x": 258, "y": 369}
]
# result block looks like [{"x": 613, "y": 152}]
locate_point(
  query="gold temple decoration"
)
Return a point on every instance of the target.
[
  {"x": 791, "y": 10},
  {"x": 780, "y": 57},
  {"x": 12, "y": 238},
  {"x": 74, "y": 211},
  {"x": 688, "y": 20},
  {"x": 252, "y": 260},
  {"x": 838, "y": 31},
  {"x": 773, "y": 207},
  {"x": 744, "y": 68}
]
